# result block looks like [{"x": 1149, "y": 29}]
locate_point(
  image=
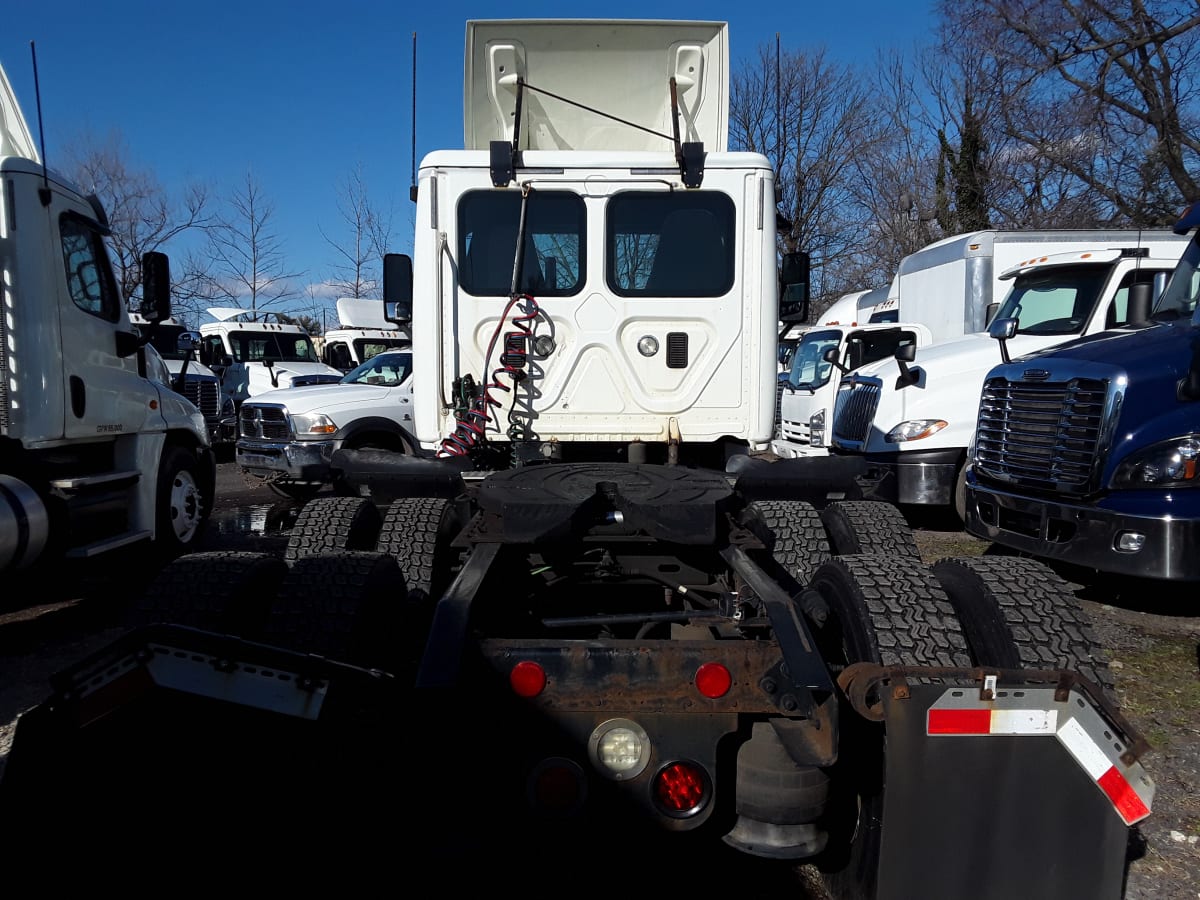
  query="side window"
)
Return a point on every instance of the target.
[
  {"x": 553, "y": 262},
  {"x": 677, "y": 244},
  {"x": 90, "y": 280}
]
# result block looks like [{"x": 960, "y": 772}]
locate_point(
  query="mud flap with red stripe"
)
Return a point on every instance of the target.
[{"x": 1028, "y": 795}]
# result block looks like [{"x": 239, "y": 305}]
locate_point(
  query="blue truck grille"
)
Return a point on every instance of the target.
[
  {"x": 854, "y": 410},
  {"x": 1041, "y": 435}
]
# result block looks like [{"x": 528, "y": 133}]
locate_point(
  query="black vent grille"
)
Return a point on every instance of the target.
[
  {"x": 677, "y": 350},
  {"x": 854, "y": 410},
  {"x": 1041, "y": 435},
  {"x": 205, "y": 395}
]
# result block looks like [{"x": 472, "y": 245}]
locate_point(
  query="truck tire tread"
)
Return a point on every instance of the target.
[
  {"x": 342, "y": 604},
  {"x": 228, "y": 591},
  {"x": 868, "y": 526},
  {"x": 1018, "y": 613},
  {"x": 795, "y": 534},
  {"x": 333, "y": 523}
]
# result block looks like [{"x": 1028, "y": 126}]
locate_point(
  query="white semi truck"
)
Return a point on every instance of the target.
[
  {"x": 914, "y": 432},
  {"x": 200, "y": 384},
  {"x": 592, "y": 635},
  {"x": 253, "y": 355},
  {"x": 361, "y": 332},
  {"x": 94, "y": 455}
]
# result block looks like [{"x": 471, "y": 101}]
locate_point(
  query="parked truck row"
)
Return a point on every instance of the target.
[{"x": 588, "y": 624}]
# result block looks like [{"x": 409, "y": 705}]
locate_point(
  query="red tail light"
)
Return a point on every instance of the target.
[
  {"x": 528, "y": 679},
  {"x": 713, "y": 680},
  {"x": 681, "y": 789}
]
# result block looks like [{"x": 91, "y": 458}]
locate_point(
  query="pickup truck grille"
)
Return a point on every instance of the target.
[
  {"x": 854, "y": 410},
  {"x": 1041, "y": 435},
  {"x": 205, "y": 395},
  {"x": 264, "y": 423}
]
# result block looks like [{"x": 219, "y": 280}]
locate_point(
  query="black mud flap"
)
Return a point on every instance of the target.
[{"x": 1029, "y": 795}]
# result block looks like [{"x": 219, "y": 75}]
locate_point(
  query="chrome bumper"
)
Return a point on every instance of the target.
[
  {"x": 299, "y": 460},
  {"x": 1088, "y": 536}
]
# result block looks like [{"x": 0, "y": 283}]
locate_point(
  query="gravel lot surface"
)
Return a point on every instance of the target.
[{"x": 1152, "y": 633}]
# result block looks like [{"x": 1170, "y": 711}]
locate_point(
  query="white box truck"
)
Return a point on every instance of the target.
[
  {"x": 858, "y": 329},
  {"x": 915, "y": 431},
  {"x": 361, "y": 333}
]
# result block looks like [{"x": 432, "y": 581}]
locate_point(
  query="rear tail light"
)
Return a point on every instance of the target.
[
  {"x": 557, "y": 787},
  {"x": 682, "y": 789}
]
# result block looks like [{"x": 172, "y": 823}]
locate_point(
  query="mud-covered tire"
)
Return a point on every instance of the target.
[
  {"x": 868, "y": 526},
  {"x": 333, "y": 523},
  {"x": 226, "y": 591},
  {"x": 1017, "y": 613},
  {"x": 417, "y": 531},
  {"x": 341, "y": 604},
  {"x": 793, "y": 532},
  {"x": 888, "y": 610}
]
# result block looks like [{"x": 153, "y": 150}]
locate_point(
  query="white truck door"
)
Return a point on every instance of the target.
[{"x": 104, "y": 393}]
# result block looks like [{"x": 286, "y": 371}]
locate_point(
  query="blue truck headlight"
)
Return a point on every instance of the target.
[
  {"x": 914, "y": 430},
  {"x": 1167, "y": 464}
]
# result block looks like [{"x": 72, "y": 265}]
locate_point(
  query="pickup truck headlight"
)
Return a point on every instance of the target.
[
  {"x": 914, "y": 430},
  {"x": 318, "y": 424},
  {"x": 1167, "y": 464}
]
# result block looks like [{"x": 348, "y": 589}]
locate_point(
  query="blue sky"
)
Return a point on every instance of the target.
[{"x": 301, "y": 92}]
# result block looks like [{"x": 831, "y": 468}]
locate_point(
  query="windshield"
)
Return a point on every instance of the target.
[
  {"x": 1178, "y": 301},
  {"x": 257, "y": 346},
  {"x": 1054, "y": 301},
  {"x": 809, "y": 370},
  {"x": 384, "y": 369},
  {"x": 369, "y": 347},
  {"x": 165, "y": 339}
]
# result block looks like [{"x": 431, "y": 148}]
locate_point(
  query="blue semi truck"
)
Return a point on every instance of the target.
[{"x": 1089, "y": 454}]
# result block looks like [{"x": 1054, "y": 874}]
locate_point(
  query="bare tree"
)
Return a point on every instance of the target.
[
  {"x": 810, "y": 117},
  {"x": 245, "y": 257},
  {"x": 369, "y": 236},
  {"x": 141, "y": 213},
  {"x": 1101, "y": 91}
]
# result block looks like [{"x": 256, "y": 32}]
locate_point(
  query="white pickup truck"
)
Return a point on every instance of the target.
[{"x": 287, "y": 437}]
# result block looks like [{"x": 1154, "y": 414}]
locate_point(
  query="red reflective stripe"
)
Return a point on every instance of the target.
[
  {"x": 960, "y": 721},
  {"x": 1123, "y": 796}
]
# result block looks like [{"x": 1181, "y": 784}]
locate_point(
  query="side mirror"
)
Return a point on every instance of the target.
[
  {"x": 1002, "y": 330},
  {"x": 188, "y": 341},
  {"x": 156, "y": 287},
  {"x": 793, "y": 286},
  {"x": 1141, "y": 297},
  {"x": 831, "y": 356},
  {"x": 905, "y": 354},
  {"x": 397, "y": 288}
]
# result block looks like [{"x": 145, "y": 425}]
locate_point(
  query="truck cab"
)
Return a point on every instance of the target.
[
  {"x": 362, "y": 332},
  {"x": 914, "y": 432},
  {"x": 200, "y": 384},
  {"x": 253, "y": 356},
  {"x": 95, "y": 454},
  {"x": 1105, "y": 481},
  {"x": 618, "y": 302}
]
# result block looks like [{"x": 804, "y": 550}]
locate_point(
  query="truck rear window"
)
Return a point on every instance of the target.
[
  {"x": 676, "y": 244},
  {"x": 554, "y": 261}
]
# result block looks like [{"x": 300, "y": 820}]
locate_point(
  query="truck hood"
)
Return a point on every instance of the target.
[
  {"x": 973, "y": 353},
  {"x": 1150, "y": 349},
  {"x": 286, "y": 373},
  {"x": 329, "y": 398}
]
